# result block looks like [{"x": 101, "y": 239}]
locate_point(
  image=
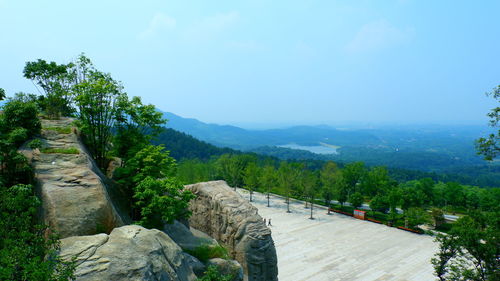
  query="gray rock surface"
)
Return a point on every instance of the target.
[
  {"x": 75, "y": 200},
  {"x": 128, "y": 253},
  {"x": 234, "y": 222},
  {"x": 228, "y": 267},
  {"x": 188, "y": 238}
]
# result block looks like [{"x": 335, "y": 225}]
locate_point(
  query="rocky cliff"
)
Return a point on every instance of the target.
[
  {"x": 75, "y": 200},
  {"x": 234, "y": 222}
]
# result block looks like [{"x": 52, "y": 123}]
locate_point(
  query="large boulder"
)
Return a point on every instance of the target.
[
  {"x": 234, "y": 222},
  {"x": 128, "y": 253},
  {"x": 188, "y": 238},
  {"x": 75, "y": 198}
]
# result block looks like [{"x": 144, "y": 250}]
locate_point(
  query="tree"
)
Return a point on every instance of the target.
[
  {"x": 310, "y": 181},
  {"x": 380, "y": 203},
  {"x": 2, "y": 94},
  {"x": 136, "y": 125},
  {"x": 489, "y": 147},
  {"x": 56, "y": 81},
  {"x": 352, "y": 173},
  {"x": 96, "y": 98},
  {"x": 375, "y": 181},
  {"x": 470, "y": 251},
  {"x": 288, "y": 174},
  {"x": 231, "y": 167},
  {"x": 25, "y": 252},
  {"x": 415, "y": 217},
  {"x": 161, "y": 201},
  {"x": 251, "y": 177},
  {"x": 437, "y": 216},
  {"x": 330, "y": 176},
  {"x": 356, "y": 199},
  {"x": 268, "y": 179}
]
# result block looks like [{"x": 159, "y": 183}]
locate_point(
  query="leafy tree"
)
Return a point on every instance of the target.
[
  {"x": 489, "y": 147},
  {"x": 380, "y": 203},
  {"x": 415, "y": 217},
  {"x": 375, "y": 181},
  {"x": 288, "y": 174},
  {"x": 2, "y": 94},
  {"x": 330, "y": 176},
  {"x": 25, "y": 254},
  {"x": 136, "y": 125},
  {"x": 437, "y": 216},
  {"x": 19, "y": 112},
  {"x": 268, "y": 179},
  {"x": 251, "y": 177},
  {"x": 97, "y": 100},
  {"x": 231, "y": 167},
  {"x": 311, "y": 186},
  {"x": 56, "y": 81},
  {"x": 356, "y": 199},
  {"x": 341, "y": 190},
  {"x": 161, "y": 201},
  {"x": 470, "y": 251},
  {"x": 353, "y": 173}
]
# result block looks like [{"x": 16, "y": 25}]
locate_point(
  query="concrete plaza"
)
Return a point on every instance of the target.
[{"x": 339, "y": 247}]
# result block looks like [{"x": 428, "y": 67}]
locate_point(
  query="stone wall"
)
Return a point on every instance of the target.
[{"x": 234, "y": 222}]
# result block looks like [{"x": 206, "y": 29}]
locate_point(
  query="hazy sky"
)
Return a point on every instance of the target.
[{"x": 273, "y": 62}]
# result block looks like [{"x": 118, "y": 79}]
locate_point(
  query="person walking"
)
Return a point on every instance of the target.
[{"x": 269, "y": 223}]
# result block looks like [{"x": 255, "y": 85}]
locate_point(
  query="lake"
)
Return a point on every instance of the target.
[{"x": 318, "y": 149}]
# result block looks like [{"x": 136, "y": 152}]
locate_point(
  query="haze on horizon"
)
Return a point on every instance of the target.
[{"x": 280, "y": 62}]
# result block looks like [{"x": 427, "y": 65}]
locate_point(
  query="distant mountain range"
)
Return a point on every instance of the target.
[{"x": 238, "y": 138}]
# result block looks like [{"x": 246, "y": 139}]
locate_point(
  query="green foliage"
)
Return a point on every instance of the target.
[
  {"x": 19, "y": 114},
  {"x": 380, "y": 203},
  {"x": 66, "y": 150},
  {"x": 470, "y": 250},
  {"x": 437, "y": 216},
  {"x": 356, "y": 199},
  {"x": 136, "y": 125},
  {"x": 489, "y": 147},
  {"x": 213, "y": 274},
  {"x": 2, "y": 94},
  {"x": 416, "y": 216},
  {"x": 161, "y": 201},
  {"x": 25, "y": 254},
  {"x": 206, "y": 251},
  {"x": 34, "y": 144},
  {"x": 56, "y": 81}
]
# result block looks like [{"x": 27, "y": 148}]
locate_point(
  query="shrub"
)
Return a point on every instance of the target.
[
  {"x": 205, "y": 252},
  {"x": 69, "y": 150}
]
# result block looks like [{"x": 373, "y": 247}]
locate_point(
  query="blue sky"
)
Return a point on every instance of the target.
[{"x": 273, "y": 62}]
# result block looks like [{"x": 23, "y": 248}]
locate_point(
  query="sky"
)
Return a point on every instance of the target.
[{"x": 258, "y": 63}]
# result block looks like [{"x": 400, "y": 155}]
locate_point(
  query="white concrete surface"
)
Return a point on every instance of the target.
[{"x": 338, "y": 247}]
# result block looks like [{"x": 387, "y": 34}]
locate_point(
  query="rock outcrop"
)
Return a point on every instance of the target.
[
  {"x": 75, "y": 200},
  {"x": 234, "y": 222},
  {"x": 128, "y": 253}
]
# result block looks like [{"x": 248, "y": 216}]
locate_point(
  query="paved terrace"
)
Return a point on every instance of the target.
[{"x": 339, "y": 247}]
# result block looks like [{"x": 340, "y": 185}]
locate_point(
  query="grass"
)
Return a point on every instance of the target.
[
  {"x": 205, "y": 252},
  {"x": 60, "y": 130},
  {"x": 69, "y": 150}
]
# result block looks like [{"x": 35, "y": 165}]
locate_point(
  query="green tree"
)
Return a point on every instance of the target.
[
  {"x": 25, "y": 254},
  {"x": 375, "y": 181},
  {"x": 231, "y": 167},
  {"x": 470, "y": 251},
  {"x": 96, "y": 99},
  {"x": 489, "y": 147},
  {"x": 356, "y": 199},
  {"x": 380, "y": 203},
  {"x": 268, "y": 180},
  {"x": 56, "y": 81},
  {"x": 251, "y": 177},
  {"x": 353, "y": 173},
  {"x": 437, "y": 216},
  {"x": 161, "y": 201},
  {"x": 330, "y": 176},
  {"x": 415, "y": 217},
  {"x": 136, "y": 125},
  {"x": 2, "y": 94}
]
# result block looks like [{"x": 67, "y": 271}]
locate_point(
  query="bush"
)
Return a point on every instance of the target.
[
  {"x": 69, "y": 150},
  {"x": 206, "y": 252},
  {"x": 213, "y": 274}
]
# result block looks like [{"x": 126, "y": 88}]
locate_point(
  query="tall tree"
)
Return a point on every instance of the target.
[
  {"x": 330, "y": 177},
  {"x": 489, "y": 147},
  {"x": 268, "y": 180},
  {"x": 251, "y": 178},
  {"x": 353, "y": 173}
]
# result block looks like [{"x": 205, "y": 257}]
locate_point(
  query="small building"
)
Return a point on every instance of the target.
[{"x": 360, "y": 214}]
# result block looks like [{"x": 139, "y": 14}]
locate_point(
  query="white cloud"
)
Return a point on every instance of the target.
[
  {"x": 158, "y": 23},
  {"x": 211, "y": 26},
  {"x": 378, "y": 35}
]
